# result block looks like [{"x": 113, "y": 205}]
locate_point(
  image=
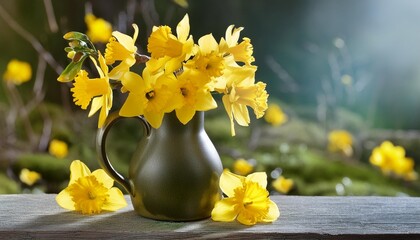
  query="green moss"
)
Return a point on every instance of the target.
[
  {"x": 7, "y": 185},
  {"x": 51, "y": 168}
]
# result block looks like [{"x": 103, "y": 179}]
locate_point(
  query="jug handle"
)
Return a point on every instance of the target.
[{"x": 101, "y": 137}]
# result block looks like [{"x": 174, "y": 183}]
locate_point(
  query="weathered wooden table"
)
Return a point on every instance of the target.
[{"x": 38, "y": 216}]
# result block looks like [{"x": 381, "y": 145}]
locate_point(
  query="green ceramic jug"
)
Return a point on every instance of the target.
[{"x": 174, "y": 174}]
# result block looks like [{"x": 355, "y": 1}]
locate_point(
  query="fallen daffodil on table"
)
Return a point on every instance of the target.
[
  {"x": 90, "y": 193},
  {"x": 247, "y": 199}
]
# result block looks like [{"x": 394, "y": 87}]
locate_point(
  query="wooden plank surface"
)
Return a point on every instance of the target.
[{"x": 27, "y": 216}]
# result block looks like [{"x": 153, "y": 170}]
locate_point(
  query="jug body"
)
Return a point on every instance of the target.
[{"x": 174, "y": 173}]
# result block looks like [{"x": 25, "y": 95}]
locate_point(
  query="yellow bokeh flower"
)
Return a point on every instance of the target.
[
  {"x": 282, "y": 184},
  {"x": 98, "y": 30},
  {"x": 392, "y": 161},
  {"x": 58, "y": 148},
  {"x": 340, "y": 141},
  {"x": 242, "y": 167},
  {"x": 247, "y": 199},
  {"x": 122, "y": 48},
  {"x": 29, "y": 177},
  {"x": 97, "y": 90},
  {"x": 17, "y": 72},
  {"x": 275, "y": 115},
  {"x": 90, "y": 193}
]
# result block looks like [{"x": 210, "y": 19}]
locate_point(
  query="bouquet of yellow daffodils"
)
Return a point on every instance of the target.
[{"x": 179, "y": 75}]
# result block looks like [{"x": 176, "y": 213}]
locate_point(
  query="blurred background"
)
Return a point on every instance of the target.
[{"x": 343, "y": 78}]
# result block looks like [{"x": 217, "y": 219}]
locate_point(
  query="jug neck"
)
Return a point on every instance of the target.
[{"x": 171, "y": 123}]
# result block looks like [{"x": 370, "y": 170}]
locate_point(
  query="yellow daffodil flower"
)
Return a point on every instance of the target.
[
  {"x": 340, "y": 141},
  {"x": 121, "y": 47},
  {"x": 208, "y": 59},
  {"x": 283, "y": 185},
  {"x": 179, "y": 75},
  {"x": 241, "y": 52},
  {"x": 168, "y": 51},
  {"x": 392, "y": 161},
  {"x": 275, "y": 115},
  {"x": 29, "y": 177},
  {"x": 58, "y": 148},
  {"x": 242, "y": 167},
  {"x": 17, "y": 72},
  {"x": 241, "y": 92},
  {"x": 195, "y": 95},
  {"x": 99, "y": 30},
  {"x": 150, "y": 95},
  {"x": 247, "y": 199},
  {"x": 90, "y": 193},
  {"x": 97, "y": 89}
]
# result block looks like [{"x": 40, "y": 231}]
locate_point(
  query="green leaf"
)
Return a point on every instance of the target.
[
  {"x": 81, "y": 38},
  {"x": 71, "y": 70},
  {"x": 78, "y": 36}
]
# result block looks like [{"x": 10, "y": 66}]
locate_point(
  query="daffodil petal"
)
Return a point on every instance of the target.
[
  {"x": 103, "y": 114},
  {"x": 207, "y": 44},
  {"x": 230, "y": 181},
  {"x": 78, "y": 169},
  {"x": 133, "y": 106},
  {"x": 133, "y": 82},
  {"x": 64, "y": 200},
  {"x": 118, "y": 72},
  {"x": 240, "y": 112},
  {"x": 183, "y": 28},
  {"x": 228, "y": 108},
  {"x": 103, "y": 177},
  {"x": 246, "y": 219},
  {"x": 206, "y": 102},
  {"x": 224, "y": 210},
  {"x": 136, "y": 31},
  {"x": 125, "y": 40},
  {"x": 173, "y": 64},
  {"x": 273, "y": 212},
  {"x": 102, "y": 64},
  {"x": 95, "y": 106},
  {"x": 259, "y": 177},
  {"x": 155, "y": 118},
  {"x": 185, "y": 114},
  {"x": 115, "y": 201}
]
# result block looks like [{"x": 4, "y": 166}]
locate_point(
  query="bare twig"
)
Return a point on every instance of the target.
[
  {"x": 39, "y": 94},
  {"x": 31, "y": 39},
  {"x": 149, "y": 13},
  {"x": 282, "y": 74},
  {"x": 46, "y": 129},
  {"x": 131, "y": 10},
  {"x": 50, "y": 16}
]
